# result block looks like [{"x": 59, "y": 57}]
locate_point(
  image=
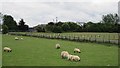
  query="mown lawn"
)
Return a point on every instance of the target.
[{"x": 41, "y": 52}]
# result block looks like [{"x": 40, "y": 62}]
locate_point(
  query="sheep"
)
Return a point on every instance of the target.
[
  {"x": 7, "y": 49},
  {"x": 21, "y": 38},
  {"x": 57, "y": 46},
  {"x": 16, "y": 38},
  {"x": 64, "y": 54},
  {"x": 75, "y": 58},
  {"x": 69, "y": 56},
  {"x": 77, "y": 50}
]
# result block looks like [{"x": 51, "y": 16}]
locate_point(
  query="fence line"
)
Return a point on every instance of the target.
[{"x": 81, "y": 38}]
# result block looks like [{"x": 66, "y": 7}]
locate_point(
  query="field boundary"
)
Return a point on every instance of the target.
[{"x": 70, "y": 38}]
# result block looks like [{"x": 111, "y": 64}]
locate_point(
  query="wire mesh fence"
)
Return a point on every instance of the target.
[{"x": 113, "y": 39}]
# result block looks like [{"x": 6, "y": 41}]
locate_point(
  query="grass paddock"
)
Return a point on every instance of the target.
[
  {"x": 41, "y": 52},
  {"x": 0, "y": 50}
]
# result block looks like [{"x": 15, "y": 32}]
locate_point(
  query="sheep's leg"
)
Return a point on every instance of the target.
[
  {"x": 62, "y": 56},
  {"x": 72, "y": 59},
  {"x": 68, "y": 58}
]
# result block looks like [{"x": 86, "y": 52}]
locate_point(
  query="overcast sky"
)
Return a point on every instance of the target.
[{"x": 36, "y": 12}]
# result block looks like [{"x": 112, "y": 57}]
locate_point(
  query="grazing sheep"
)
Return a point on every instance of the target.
[
  {"x": 77, "y": 50},
  {"x": 75, "y": 58},
  {"x": 16, "y": 38},
  {"x": 64, "y": 54},
  {"x": 21, "y": 38},
  {"x": 69, "y": 56},
  {"x": 7, "y": 49},
  {"x": 57, "y": 46}
]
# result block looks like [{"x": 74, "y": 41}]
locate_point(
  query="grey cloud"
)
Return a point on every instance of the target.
[{"x": 42, "y": 12}]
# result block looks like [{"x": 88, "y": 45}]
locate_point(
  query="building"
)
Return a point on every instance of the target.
[{"x": 32, "y": 30}]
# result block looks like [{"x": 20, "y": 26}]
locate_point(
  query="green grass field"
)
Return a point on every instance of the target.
[
  {"x": 41, "y": 52},
  {"x": 0, "y": 50}
]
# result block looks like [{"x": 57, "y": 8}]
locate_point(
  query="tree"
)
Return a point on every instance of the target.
[
  {"x": 39, "y": 28},
  {"x": 49, "y": 27},
  {"x": 110, "y": 22},
  {"x": 54, "y": 27},
  {"x": 59, "y": 23},
  {"x": 22, "y": 27},
  {"x": 73, "y": 26},
  {"x": 110, "y": 18},
  {"x": 57, "y": 29},
  {"x": 51, "y": 23},
  {"x": 9, "y": 22},
  {"x": 87, "y": 26},
  {"x": 65, "y": 27},
  {"x": 5, "y": 29}
]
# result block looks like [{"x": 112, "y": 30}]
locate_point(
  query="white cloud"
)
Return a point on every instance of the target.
[
  {"x": 94, "y": 1},
  {"x": 42, "y": 12}
]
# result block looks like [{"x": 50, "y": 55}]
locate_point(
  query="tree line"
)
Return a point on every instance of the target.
[
  {"x": 109, "y": 23},
  {"x": 10, "y": 25}
]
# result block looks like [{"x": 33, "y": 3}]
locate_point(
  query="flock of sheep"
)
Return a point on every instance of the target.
[
  {"x": 65, "y": 54},
  {"x": 16, "y": 38},
  {"x": 8, "y": 49}
]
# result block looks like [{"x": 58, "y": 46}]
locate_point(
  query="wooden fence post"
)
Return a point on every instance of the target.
[
  {"x": 103, "y": 39},
  {"x": 109, "y": 38},
  {"x": 95, "y": 38}
]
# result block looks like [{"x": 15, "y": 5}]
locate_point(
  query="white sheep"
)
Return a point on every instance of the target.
[
  {"x": 77, "y": 50},
  {"x": 7, "y": 49},
  {"x": 69, "y": 56},
  {"x": 75, "y": 58},
  {"x": 21, "y": 38},
  {"x": 16, "y": 38},
  {"x": 57, "y": 46},
  {"x": 64, "y": 54}
]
